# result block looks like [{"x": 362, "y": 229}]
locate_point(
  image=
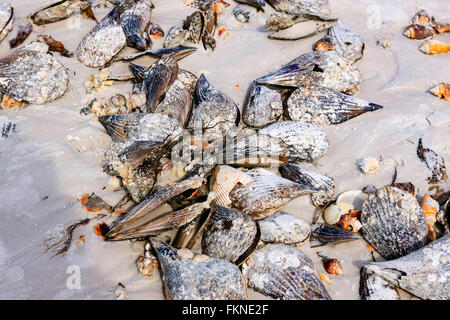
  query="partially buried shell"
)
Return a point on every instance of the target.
[
  {"x": 59, "y": 10},
  {"x": 346, "y": 43},
  {"x": 6, "y": 19},
  {"x": 285, "y": 228},
  {"x": 314, "y": 179},
  {"x": 322, "y": 106},
  {"x": 266, "y": 193},
  {"x": 185, "y": 279},
  {"x": 32, "y": 76},
  {"x": 284, "y": 272},
  {"x": 125, "y": 25},
  {"x": 424, "y": 272},
  {"x": 229, "y": 234},
  {"x": 393, "y": 222},
  {"x": 262, "y": 105},
  {"x": 322, "y": 68},
  {"x": 434, "y": 162},
  {"x": 373, "y": 287}
]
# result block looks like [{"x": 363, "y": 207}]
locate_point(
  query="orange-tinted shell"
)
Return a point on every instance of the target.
[
  {"x": 435, "y": 47},
  {"x": 332, "y": 266},
  {"x": 10, "y": 103},
  {"x": 101, "y": 229},
  {"x": 417, "y": 31},
  {"x": 324, "y": 44},
  {"x": 442, "y": 91},
  {"x": 350, "y": 221}
]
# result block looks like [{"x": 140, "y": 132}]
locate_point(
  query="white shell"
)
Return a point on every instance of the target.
[
  {"x": 332, "y": 214},
  {"x": 284, "y": 228}
]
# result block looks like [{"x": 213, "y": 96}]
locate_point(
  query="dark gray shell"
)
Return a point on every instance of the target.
[
  {"x": 346, "y": 43},
  {"x": 373, "y": 287},
  {"x": 228, "y": 234},
  {"x": 258, "y": 4},
  {"x": 176, "y": 103},
  {"x": 265, "y": 194},
  {"x": 322, "y": 68},
  {"x": 285, "y": 228},
  {"x": 303, "y": 141},
  {"x": 124, "y": 25},
  {"x": 6, "y": 19},
  {"x": 323, "y": 234},
  {"x": 323, "y": 106},
  {"x": 284, "y": 272},
  {"x": 424, "y": 273},
  {"x": 393, "y": 222},
  {"x": 242, "y": 13},
  {"x": 434, "y": 162},
  {"x": 313, "y": 179},
  {"x": 32, "y": 76},
  {"x": 184, "y": 279},
  {"x": 262, "y": 106}
]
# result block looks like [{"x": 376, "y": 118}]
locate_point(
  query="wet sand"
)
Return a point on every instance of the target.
[{"x": 54, "y": 157}]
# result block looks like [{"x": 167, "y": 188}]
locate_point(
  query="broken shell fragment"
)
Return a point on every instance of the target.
[
  {"x": 60, "y": 10},
  {"x": 24, "y": 29},
  {"x": 373, "y": 287},
  {"x": 430, "y": 209},
  {"x": 223, "y": 180},
  {"x": 285, "y": 228},
  {"x": 393, "y": 222},
  {"x": 369, "y": 166},
  {"x": 146, "y": 265},
  {"x": 332, "y": 266},
  {"x": 94, "y": 203},
  {"x": 284, "y": 272},
  {"x": 346, "y": 43},
  {"x": 324, "y": 44}
]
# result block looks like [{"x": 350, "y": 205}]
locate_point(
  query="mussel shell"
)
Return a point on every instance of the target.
[
  {"x": 322, "y": 234},
  {"x": 284, "y": 272},
  {"x": 285, "y": 228},
  {"x": 393, "y": 222}
]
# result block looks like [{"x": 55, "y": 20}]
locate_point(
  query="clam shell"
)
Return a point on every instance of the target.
[
  {"x": 346, "y": 43},
  {"x": 284, "y": 272},
  {"x": 58, "y": 10},
  {"x": 314, "y": 179},
  {"x": 393, "y": 222},
  {"x": 228, "y": 234},
  {"x": 224, "y": 179},
  {"x": 285, "y": 228},
  {"x": 185, "y": 279},
  {"x": 424, "y": 272},
  {"x": 266, "y": 193}
]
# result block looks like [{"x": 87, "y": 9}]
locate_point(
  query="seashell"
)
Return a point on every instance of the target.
[
  {"x": 314, "y": 179},
  {"x": 322, "y": 234},
  {"x": 94, "y": 203},
  {"x": 279, "y": 21},
  {"x": 6, "y": 19},
  {"x": 373, "y": 287},
  {"x": 117, "y": 100},
  {"x": 188, "y": 234},
  {"x": 434, "y": 162},
  {"x": 422, "y": 17},
  {"x": 10, "y": 103},
  {"x": 156, "y": 31},
  {"x": 229, "y": 234},
  {"x": 32, "y": 76},
  {"x": 393, "y": 222},
  {"x": 301, "y": 30},
  {"x": 332, "y": 266},
  {"x": 223, "y": 180},
  {"x": 176, "y": 103},
  {"x": 285, "y": 228},
  {"x": 354, "y": 198},
  {"x": 176, "y": 52},
  {"x": 369, "y": 166},
  {"x": 322, "y": 68},
  {"x": 242, "y": 14},
  {"x": 266, "y": 193},
  {"x": 215, "y": 279},
  {"x": 324, "y": 44},
  {"x": 423, "y": 273},
  {"x": 384, "y": 43},
  {"x": 126, "y": 24},
  {"x": 332, "y": 214},
  {"x": 306, "y": 8},
  {"x": 56, "y": 46},
  {"x": 60, "y": 10},
  {"x": 430, "y": 209},
  {"x": 434, "y": 47},
  {"x": 258, "y": 4},
  {"x": 24, "y": 29},
  {"x": 262, "y": 106},
  {"x": 177, "y": 35},
  {"x": 283, "y": 272},
  {"x": 146, "y": 265},
  {"x": 189, "y": 80},
  {"x": 419, "y": 32},
  {"x": 442, "y": 91},
  {"x": 346, "y": 43},
  {"x": 324, "y": 106},
  {"x": 350, "y": 221}
]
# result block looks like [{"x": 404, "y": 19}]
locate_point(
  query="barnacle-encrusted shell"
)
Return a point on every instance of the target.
[
  {"x": 393, "y": 222},
  {"x": 6, "y": 19},
  {"x": 285, "y": 228},
  {"x": 303, "y": 141},
  {"x": 224, "y": 179},
  {"x": 314, "y": 179},
  {"x": 32, "y": 76},
  {"x": 228, "y": 234},
  {"x": 424, "y": 273},
  {"x": 266, "y": 193},
  {"x": 346, "y": 43},
  {"x": 262, "y": 106},
  {"x": 373, "y": 287},
  {"x": 185, "y": 279},
  {"x": 322, "y": 68},
  {"x": 284, "y": 272},
  {"x": 323, "y": 106}
]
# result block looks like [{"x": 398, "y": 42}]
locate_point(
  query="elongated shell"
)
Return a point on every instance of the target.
[
  {"x": 322, "y": 234},
  {"x": 323, "y": 106},
  {"x": 322, "y": 68},
  {"x": 229, "y": 234},
  {"x": 284, "y": 272},
  {"x": 393, "y": 222},
  {"x": 301, "y": 30},
  {"x": 285, "y": 228},
  {"x": 185, "y": 279},
  {"x": 262, "y": 106},
  {"x": 266, "y": 193},
  {"x": 314, "y": 179},
  {"x": 303, "y": 141},
  {"x": 424, "y": 272},
  {"x": 373, "y": 287},
  {"x": 224, "y": 179},
  {"x": 6, "y": 19},
  {"x": 176, "y": 103},
  {"x": 315, "y": 8},
  {"x": 434, "y": 47},
  {"x": 60, "y": 10},
  {"x": 32, "y": 76},
  {"x": 346, "y": 43}
]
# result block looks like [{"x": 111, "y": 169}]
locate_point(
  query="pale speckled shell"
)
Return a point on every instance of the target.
[
  {"x": 215, "y": 279},
  {"x": 6, "y": 19},
  {"x": 228, "y": 234},
  {"x": 346, "y": 43},
  {"x": 284, "y": 272},
  {"x": 435, "y": 163},
  {"x": 285, "y": 228},
  {"x": 373, "y": 287},
  {"x": 303, "y": 141},
  {"x": 393, "y": 222},
  {"x": 224, "y": 180},
  {"x": 301, "y": 30},
  {"x": 424, "y": 273},
  {"x": 32, "y": 76},
  {"x": 317, "y": 8}
]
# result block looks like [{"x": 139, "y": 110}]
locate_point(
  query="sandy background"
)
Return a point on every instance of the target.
[{"x": 56, "y": 152}]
